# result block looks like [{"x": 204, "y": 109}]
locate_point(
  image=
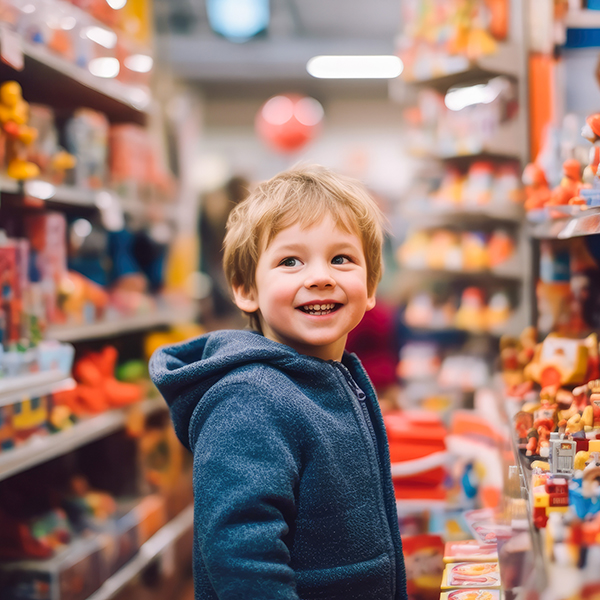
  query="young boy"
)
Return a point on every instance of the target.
[{"x": 292, "y": 484}]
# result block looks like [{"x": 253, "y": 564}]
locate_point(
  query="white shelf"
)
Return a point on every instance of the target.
[
  {"x": 506, "y": 61},
  {"x": 32, "y": 385},
  {"x": 569, "y": 222},
  {"x": 149, "y": 551},
  {"x": 583, "y": 19},
  {"x": 50, "y": 79},
  {"x": 40, "y": 449},
  {"x": 8, "y": 185},
  {"x": 123, "y": 325},
  {"x": 133, "y": 97}
]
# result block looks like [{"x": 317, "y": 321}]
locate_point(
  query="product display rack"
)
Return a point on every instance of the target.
[
  {"x": 158, "y": 544},
  {"x": 42, "y": 449},
  {"x": 122, "y": 325},
  {"x": 49, "y": 79}
]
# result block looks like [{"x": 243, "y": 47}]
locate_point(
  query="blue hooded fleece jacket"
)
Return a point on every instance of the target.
[{"x": 293, "y": 497}]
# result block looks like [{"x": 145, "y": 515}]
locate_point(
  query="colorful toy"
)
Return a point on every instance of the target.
[
  {"x": 537, "y": 190},
  {"x": 14, "y": 114},
  {"x": 472, "y": 313},
  {"x": 500, "y": 247},
  {"x": 30, "y": 416},
  {"x": 569, "y": 185},
  {"x": 498, "y": 311},
  {"x": 559, "y": 360},
  {"x": 97, "y": 389},
  {"x": 553, "y": 496},
  {"x": 80, "y": 300},
  {"x": 477, "y": 190}
]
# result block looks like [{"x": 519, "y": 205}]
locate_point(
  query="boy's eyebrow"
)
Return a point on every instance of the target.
[{"x": 294, "y": 246}]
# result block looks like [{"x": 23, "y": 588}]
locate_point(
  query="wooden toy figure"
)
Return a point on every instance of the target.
[{"x": 14, "y": 114}]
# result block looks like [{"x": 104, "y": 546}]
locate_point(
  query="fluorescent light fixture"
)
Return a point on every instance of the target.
[
  {"x": 116, "y": 4},
  {"x": 355, "y": 67},
  {"x": 106, "y": 67},
  {"x": 42, "y": 190},
  {"x": 105, "y": 37},
  {"x": 140, "y": 63},
  {"x": 238, "y": 20},
  {"x": 482, "y": 93}
]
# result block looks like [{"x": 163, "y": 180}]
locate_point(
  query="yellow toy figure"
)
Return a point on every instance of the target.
[{"x": 14, "y": 114}]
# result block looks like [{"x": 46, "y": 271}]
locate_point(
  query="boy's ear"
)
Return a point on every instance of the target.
[
  {"x": 245, "y": 299},
  {"x": 371, "y": 301}
]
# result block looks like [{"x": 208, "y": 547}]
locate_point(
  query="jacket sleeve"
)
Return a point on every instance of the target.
[{"x": 246, "y": 469}]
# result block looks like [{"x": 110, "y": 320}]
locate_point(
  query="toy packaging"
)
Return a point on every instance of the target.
[
  {"x": 471, "y": 575},
  {"x": 73, "y": 574},
  {"x": 470, "y": 551},
  {"x": 471, "y": 595},
  {"x": 424, "y": 566}
]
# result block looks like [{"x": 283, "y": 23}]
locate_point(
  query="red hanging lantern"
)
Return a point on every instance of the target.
[{"x": 288, "y": 122}]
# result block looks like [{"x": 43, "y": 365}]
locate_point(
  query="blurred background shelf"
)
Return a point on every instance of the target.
[
  {"x": 32, "y": 385},
  {"x": 149, "y": 551},
  {"x": 39, "y": 450},
  {"x": 122, "y": 325},
  {"x": 458, "y": 69},
  {"x": 575, "y": 223},
  {"x": 49, "y": 79}
]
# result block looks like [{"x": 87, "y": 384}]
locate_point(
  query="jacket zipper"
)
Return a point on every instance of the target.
[{"x": 362, "y": 400}]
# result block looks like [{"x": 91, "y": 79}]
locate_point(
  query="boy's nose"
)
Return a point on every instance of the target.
[{"x": 319, "y": 278}]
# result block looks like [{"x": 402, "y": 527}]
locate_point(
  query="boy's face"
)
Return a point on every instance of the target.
[{"x": 311, "y": 289}]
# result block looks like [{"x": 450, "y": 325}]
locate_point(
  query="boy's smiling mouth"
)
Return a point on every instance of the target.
[{"x": 319, "y": 309}]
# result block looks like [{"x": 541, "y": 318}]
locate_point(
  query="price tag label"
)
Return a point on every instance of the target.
[{"x": 11, "y": 50}]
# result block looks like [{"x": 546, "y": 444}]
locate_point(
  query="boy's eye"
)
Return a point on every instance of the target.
[
  {"x": 289, "y": 262},
  {"x": 340, "y": 260}
]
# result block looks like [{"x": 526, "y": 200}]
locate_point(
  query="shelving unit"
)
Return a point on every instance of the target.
[
  {"x": 122, "y": 325},
  {"x": 458, "y": 69},
  {"x": 573, "y": 222},
  {"x": 149, "y": 551},
  {"x": 48, "y": 79},
  {"x": 39, "y": 450}
]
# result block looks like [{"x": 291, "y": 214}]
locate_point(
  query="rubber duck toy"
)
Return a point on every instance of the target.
[{"x": 14, "y": 114}]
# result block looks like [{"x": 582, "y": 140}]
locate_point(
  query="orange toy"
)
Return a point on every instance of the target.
[
  {"x": 76, "y": 292},
  {"x": 97, "y": 389},
  {"x": 569, "y": 186},
  {"x": 537, "y": 191}
]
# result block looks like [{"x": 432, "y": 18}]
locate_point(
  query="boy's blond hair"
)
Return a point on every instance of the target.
[{"x": 301, "y": 195}]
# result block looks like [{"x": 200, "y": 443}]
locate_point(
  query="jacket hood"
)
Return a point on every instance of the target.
[{"x": 184, "y": 372}]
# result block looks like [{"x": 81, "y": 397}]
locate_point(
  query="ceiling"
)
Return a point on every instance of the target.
[{"x": 298, "y": 30}]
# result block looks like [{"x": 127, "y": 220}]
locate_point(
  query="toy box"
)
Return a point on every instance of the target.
[
  {"x": 424, "y": 565},
  {"x": 73, "y": 574},
  {"x": 136, "y": 523},
  {"x": 470, "y": 551},
  {"x": 471, "y": 575},
  {"x": 471, "y": 595}
]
